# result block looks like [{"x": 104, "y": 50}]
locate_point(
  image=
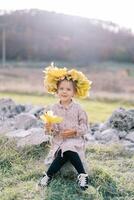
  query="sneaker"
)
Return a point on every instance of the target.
[
  {"x": 44, "y": 181},
  {"x": 82, "y": 181}
]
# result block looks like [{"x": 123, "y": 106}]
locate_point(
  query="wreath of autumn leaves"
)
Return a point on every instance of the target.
[{"x": 54, "y": 74}]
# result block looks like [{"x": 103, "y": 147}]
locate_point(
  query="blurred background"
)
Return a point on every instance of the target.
[{"x": 95, "y": 37}]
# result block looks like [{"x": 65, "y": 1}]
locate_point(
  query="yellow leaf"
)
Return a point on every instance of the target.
[{"x": 49, "y": 117}]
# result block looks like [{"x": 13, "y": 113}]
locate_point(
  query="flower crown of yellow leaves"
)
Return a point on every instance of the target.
[{"x": 54, "y": 74}]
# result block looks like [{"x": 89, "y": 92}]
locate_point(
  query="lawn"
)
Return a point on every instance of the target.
[
  {"x": 97, "y": 110},
  {"x": 110, "y": 169}
]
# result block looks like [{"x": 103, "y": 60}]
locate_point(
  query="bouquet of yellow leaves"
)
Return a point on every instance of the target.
[{"x": 50, "y": 119}]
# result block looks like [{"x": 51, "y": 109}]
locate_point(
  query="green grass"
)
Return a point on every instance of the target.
[
  {"x": 110, "y": 169},
  {"x": 97, "y": 110}
]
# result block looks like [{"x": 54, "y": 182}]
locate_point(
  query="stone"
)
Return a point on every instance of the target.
[
  {"x": 94, "y": 127},
  {"x": 128, "y": 145},
  {"x": 36, "y": 111},
  {"x": 121, "y": 120},
  {"x": 9, "y": 109},
  {"x": 33, "y": 136},
  {"x": 6, "y": 126},
  {"x": 103, "y": 127},
  {"x": 25, "y": 121},
  {"x": 108, "y": 135},
  {"x": 90, "y": 139},
  {"x": 20, "y": 133},
  {"x": 6, "y": 105},
  {"x": 122, "y": 134},
  {"x": 130, "y": 136}
]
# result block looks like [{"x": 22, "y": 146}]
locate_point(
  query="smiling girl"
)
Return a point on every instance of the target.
[{"x": 68, "y": 141}]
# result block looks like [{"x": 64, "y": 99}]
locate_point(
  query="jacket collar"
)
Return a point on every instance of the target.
[{"x": 67, "y": 107}]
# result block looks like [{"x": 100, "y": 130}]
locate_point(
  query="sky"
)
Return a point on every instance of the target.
[{"x": 120, "y": 12}]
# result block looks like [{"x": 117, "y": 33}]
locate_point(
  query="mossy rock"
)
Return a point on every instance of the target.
[{"x": 68, "y": 170}]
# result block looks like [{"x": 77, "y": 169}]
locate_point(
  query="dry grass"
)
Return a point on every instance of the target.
[
  {"x": 21, "y": 80},
  {"x": 107, "y": 84}
]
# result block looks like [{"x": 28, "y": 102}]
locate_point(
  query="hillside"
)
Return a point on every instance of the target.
[{"x": 42, "y": 35}]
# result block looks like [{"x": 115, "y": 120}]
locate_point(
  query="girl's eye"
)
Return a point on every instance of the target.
[{"x": 60, "y": 88}]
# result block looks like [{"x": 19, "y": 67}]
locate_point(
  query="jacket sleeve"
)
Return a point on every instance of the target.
[{"x": 82, "y": 127}]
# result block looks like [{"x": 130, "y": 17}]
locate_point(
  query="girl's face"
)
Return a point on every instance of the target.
[{"x": 65, "y": 91}]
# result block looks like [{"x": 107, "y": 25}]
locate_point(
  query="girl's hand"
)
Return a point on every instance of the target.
[
  {"x": 68, "y": 133},
  {"x": 48, "y": 127}
]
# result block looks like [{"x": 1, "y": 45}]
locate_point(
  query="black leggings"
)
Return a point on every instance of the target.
[{"x": 59, "y": 161}]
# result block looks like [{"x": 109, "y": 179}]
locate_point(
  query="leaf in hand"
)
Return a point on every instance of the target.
[{"x": 49, "y": 117}]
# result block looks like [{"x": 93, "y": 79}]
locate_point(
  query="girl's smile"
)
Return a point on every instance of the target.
[{"x": 65, "y": 92}]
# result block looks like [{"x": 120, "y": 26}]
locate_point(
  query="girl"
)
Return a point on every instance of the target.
[{"x": 68, "y": 141}]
